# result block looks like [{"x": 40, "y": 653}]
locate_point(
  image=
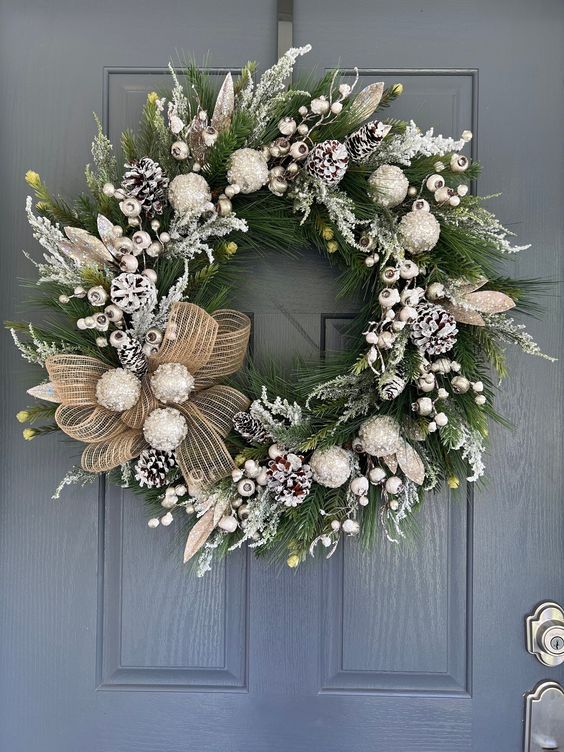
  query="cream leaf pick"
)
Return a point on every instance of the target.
[
  {"x": 196, "y": 137},
  {"x": 469, "y": 305},
  {"x": 105, "y": 229},
  {"x": 391, "y": 462},
  {"x": 202, "y": 530},
  {"x": 490, "y": 301},
  {"x": 367, "y": 101},
  {"x": 411, "y": 463},
  {"x": 44, "y": 392},
  {"x": 224, "y": 105},
  {"x": 464, "y": 315},
  {"x": 84, "y": 248}
]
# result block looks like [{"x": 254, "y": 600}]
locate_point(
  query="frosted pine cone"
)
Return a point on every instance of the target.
[
  {"x": 250, "y": 428},
  {"x": 153, "y": 466},
  {"x": 130, "y": 292},
  {"x": 132, "y": 357},
  {"x": 391, "y": 386},
  {"x": 364, "y": 142},
  {"x": 289, "y": 479},
  {"x": 146, "y": 181},
  {"x": 328, "y": 161},
  {"x": 435, "y": 330}
]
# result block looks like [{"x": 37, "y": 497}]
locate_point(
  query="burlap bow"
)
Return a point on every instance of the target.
[{"x": 211, "y": 347}]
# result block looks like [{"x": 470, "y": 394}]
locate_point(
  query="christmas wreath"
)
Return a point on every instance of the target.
[{"x": 148, "y": 371}]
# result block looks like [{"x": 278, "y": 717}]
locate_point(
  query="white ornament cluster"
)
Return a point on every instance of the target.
[
  {"x": 331, "y": 466},
  {"x": 118, "y": 390},
  {"x": 172, "y": 382},
  {"x": 165, "y": 428}
]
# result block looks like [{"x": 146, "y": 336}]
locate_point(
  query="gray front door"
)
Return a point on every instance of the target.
[{"x": 106, "y": 643}]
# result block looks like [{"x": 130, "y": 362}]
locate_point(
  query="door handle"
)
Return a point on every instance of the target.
[{"x": 544, "y": 718}]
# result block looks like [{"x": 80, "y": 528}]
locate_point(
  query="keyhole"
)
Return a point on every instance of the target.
[{"x": 556, "y": 643}]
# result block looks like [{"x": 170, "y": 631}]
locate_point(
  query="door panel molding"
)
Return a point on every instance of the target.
[
  {"x": 455, "y": 678},
  {"x": 116, "y": 672}
]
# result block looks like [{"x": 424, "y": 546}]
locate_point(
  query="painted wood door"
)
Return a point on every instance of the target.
[{"x": 106, "y": 645}]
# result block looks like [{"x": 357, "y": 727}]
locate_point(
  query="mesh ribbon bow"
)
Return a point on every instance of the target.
[{"x": 210, "y": 347}]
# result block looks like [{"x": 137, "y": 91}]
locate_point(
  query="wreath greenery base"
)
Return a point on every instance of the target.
[{"x": 142, "y": 354}]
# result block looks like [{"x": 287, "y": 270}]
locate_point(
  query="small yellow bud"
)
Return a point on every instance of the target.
[
  {"x": 231, "y": 248},
  {"x": 41, "y": 206},
  {"x": 293, "y": 561},
  {"x": 32, "y": 178},
  {"x": 152, "y": 97},
  {"x": 332, "y": 246},
  {"x": 240, "y": 459},
  {"x": 29, "y": 433},
  {"x": 397, "y": 89},
  {"x": 453, "y": 481},
  {"x": 327, "y": 233},
  {"x": 22, "y": 416}
]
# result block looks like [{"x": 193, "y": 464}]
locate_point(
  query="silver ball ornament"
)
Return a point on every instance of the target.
[
  {"x": 248, "y": 168},
  {"x": 331, "y": 467},
  {"x": 118, "y": 390},
  {"x": 380, "y": 435},
  {"x": 172, "y": 382},
  {"x": 388, "y": 185},
  {"x": 188, "y": 194},
  {"x": 419, "y": 231},
  {"x": 165, "y": 429}
]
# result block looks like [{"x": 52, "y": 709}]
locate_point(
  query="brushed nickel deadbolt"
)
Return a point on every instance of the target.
[{"x": 545, "y": 634}]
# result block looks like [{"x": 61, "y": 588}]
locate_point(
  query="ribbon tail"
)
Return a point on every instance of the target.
[
  {"x": 104, "y": 456},
  {"x": 202, "y": 457}
]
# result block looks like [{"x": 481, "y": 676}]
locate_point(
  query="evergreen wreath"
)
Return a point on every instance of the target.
[{"x": 141, "y": 355}]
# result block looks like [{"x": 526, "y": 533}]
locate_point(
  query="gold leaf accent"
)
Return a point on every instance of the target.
[
  {"x": 490, "y": 301},
  {"x": 411, "y": 463},
  {"x": 202, "y": 530},
  {"x": 224, "y": 105},
  {"x": 84, "y": 248},
  {"x": 367, "y": 101},
  {"x": 105, "y": 227},
  {"x": 467, "y": 287},
  {"x": 391, "y": 462},
  {"x": 196, "y": 137},
  {"x": 464, "y": 315}
]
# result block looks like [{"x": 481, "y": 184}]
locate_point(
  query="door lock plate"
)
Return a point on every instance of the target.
[
  {"x": 545, "y": 634},
  {"x": 544, "y": 718}
]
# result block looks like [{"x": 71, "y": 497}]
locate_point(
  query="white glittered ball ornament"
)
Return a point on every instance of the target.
[
  {"x": 172, "y": 382},
  {"x": 248, "y": 169},
  {"x": 419, "y": 231},
  {"x": 388, "y": 185},
  {"x": 331, "y": 467},
  {"x": 165, "y": 428},
  {"x": 189, "y": 193},
  {"x": 380, "y": 436},
  {"x": 118, "y": 390}
]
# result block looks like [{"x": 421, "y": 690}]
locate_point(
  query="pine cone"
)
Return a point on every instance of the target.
[
  {"x": 250, "y": 428},
  {"x": 146, "y": 181},
  {"x": 391, "y": 386},
  {"x": 328, "y": 161},
  {"x": 153, "y": 466},
  {"x": 435, "y": 330},
  {"x": 289, "y": 479},
  {"x": 130, "y": 292},
  {"x": 132, "y": 357},
  {"x": 364, "y": 142}
]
